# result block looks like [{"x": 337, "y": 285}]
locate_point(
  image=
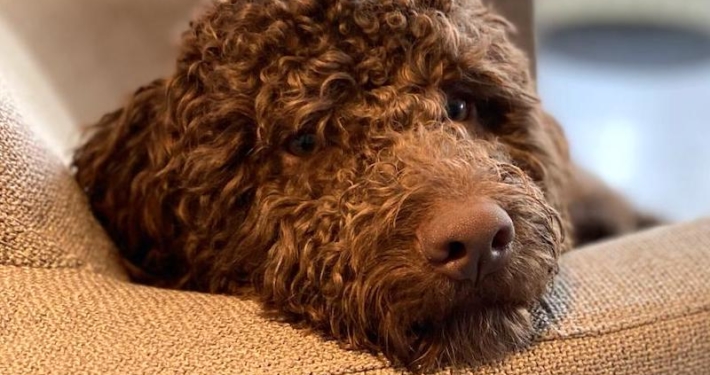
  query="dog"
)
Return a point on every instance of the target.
[{"x": 378, "y": 171}]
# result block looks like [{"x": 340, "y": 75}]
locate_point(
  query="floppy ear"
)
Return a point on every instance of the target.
[
  {"x": 162, "y": 172},
  {"x": 167, "y": 175},
  {"x": 559, "y": 171},
  {"x": 557, "y": 137},
  {"x": 124, "y": 167}
]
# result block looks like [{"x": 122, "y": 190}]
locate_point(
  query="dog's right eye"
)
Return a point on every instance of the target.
[
  {"x": 303, "y": 144},
  {"x": 458, "y": 109}
]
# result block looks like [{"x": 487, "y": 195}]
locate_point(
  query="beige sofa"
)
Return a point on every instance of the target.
[{"x": 637, "y": 305}]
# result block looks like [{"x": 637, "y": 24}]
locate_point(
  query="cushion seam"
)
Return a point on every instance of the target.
[{"x": 700, "y": 310}]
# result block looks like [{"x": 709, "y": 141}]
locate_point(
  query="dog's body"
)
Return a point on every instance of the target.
[{"x": 380, "y": 171}]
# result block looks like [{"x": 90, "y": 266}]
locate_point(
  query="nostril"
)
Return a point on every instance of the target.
[
  {"x": 456, "y": 251},
  {"x": 473, "y": 240},
  {"x": 503, "y": 238}
]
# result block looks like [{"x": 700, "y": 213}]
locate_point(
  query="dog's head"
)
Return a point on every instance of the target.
[{"x": 378, "y": 170}]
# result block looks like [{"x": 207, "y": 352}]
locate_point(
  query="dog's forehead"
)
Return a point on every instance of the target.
[
  {"x": 291, "y": 65},
  {"x": 249, "y": 10},
  {"x": 442, "y": 5},
  {"x": 447, "y": 8},
  {"x": 280, "y": 28}
]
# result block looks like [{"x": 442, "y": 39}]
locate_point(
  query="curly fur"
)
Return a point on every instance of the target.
[{"x": 195, "y": 182}]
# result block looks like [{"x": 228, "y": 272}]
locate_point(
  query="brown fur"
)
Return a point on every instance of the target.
[{"x": 198, "y": 180}]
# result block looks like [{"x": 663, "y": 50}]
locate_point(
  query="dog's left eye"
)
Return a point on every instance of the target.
[
  {"x": 458, "y": 109},
  {"x": 303, "y": 144}
]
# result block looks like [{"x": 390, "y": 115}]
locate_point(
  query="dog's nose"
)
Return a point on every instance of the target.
[{"x": 468, "y": 241}]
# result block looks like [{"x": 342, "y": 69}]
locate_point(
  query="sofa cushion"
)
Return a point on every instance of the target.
[
  {"x": 44, "y": 217},
  {"x": 640, "y": 305}
]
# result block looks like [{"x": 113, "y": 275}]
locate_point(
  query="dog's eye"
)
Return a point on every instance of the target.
[
  {"x": 486, "y": 113},
  {"x": 459, "y": 110},
  {"x": 303, "y": 144}
]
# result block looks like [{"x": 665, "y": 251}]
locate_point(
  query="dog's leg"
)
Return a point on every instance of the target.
[{"x": 598, "y": 212}]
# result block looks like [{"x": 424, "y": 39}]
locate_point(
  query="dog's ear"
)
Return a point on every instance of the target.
[
  {"x": 556, "y": 135},
  {"x": 553, "y": 150},
  {"x": 123, "y": 166},
  {"x": 161, "y": 172}
]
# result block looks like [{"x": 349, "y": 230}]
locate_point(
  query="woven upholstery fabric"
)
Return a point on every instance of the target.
[
  {"x": 639, "y": 305},
  {"x": 603, "y": 316},
  {"x": 44, "y": 217}
]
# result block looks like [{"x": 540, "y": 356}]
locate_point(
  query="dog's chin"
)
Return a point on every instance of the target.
[
  {"x": 466, "y": 328},
  {"x": 471, "y": 334}
]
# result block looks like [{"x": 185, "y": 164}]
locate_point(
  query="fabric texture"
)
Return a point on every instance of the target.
[
  {"x": 639, "y": 305},
  {"x": 45, "y": 220}
]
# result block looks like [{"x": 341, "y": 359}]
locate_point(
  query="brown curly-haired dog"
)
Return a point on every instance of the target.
[{"x": 377, "y": 170}]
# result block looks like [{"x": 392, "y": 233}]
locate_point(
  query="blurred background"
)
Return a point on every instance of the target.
[
  {"x": 630, "y": 82},
  {"x": 628, "y": 79}
]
